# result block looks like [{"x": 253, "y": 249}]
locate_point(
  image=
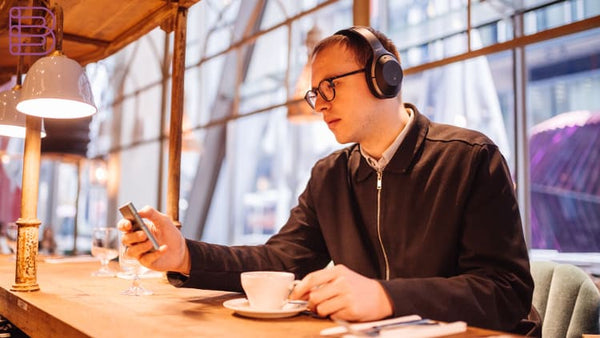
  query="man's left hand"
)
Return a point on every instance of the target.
[{"x": 341, "y": 293}]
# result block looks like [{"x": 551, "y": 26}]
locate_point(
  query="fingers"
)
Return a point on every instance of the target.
[
  {"x": 332, "y": 297},
  {"x": 334, "y": 308},
  {"x": 152, "y": 215},
  {"x": 336, "y": 286},
  {"x": 135, "y": 237},
  {"x": 147, "y": 258},
  {"x": 172, "y": 255},
  {"x": 311, "y": 282},
  {"x": 147, "y": 212},
  {"x": 318, "y": 287},
  {"x": 337, "y": 292},
  {"x": 124, "y": 225},
  {"x": 138, "y": 249}
]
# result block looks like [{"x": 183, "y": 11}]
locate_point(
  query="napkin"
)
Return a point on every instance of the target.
[
  {"x": 423, "y": 331},
  {"x": 361, "y": 326},
  {"x": 412, "y": 331}
]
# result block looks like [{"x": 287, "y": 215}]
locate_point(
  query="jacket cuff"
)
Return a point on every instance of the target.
[{"x": 177, "y": 279}]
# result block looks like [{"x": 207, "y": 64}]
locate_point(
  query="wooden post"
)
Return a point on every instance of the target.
[
  {"x": 78, "y": 161},
  {"x": 175, "y": 137},
  {"x": 361, "y": 11},
  {"x": 27, "y": 240}
]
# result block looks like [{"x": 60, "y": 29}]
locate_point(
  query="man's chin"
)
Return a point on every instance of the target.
[
  {"x": 338, "y": 138},
  {"x": 342, "y": 140}
]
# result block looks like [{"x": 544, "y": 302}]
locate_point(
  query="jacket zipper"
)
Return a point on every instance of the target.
[{"x": 387, "y": 264}]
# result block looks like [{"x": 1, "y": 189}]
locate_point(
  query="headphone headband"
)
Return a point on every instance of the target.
[{"x": 383, "y": 71}]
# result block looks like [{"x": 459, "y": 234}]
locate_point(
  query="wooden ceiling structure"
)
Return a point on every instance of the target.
[{"x": 91, "y": 31}]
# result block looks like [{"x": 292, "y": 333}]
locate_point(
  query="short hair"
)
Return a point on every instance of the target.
[{"x": 359, "y": 47}]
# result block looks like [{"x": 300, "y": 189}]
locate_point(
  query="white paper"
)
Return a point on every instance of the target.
[
  {"x": 409, "y": 331},
  {"x": 361, "y": 326},
  {"x": 423, "y": 331}
]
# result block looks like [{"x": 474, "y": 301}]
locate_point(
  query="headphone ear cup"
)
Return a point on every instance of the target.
[
  {"x": 383, "y": 71},
  {"x": 387, "y": 79}
]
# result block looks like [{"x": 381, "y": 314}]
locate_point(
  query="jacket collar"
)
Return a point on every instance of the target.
[{"x": 404, "y": 156}]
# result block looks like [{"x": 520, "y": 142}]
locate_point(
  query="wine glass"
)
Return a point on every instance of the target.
[
  {"x": 105, "y": 246},
  {"x": 132, "y": 267}
]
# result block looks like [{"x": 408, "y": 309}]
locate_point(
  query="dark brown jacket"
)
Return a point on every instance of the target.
[{"x": 449, "y": 226}]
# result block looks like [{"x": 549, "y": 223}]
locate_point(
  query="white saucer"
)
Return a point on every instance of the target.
[{"x": 242, "y": 307}]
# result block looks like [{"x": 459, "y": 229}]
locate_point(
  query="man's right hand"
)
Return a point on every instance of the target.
[{"x": 172, "y": 255}]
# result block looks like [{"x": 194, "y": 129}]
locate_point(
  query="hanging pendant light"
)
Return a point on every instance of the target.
[
  {"x": 56, "y": 86},
  {"x": 12, "y": 122}
]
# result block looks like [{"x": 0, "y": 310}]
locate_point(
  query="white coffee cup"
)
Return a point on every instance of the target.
[{"x": 267, "y": 290}]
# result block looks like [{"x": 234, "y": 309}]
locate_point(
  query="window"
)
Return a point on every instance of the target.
[{"x": 564, "y": 128}]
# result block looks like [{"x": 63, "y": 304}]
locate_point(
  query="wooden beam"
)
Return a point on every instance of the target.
[
  {"x": 177, "y": 88},
  {"x": 85, "y": 40},
  {"x": 187, "y": 3},
  {"x": 134, "y": 33},
  {"x": 361, "y": 12}
]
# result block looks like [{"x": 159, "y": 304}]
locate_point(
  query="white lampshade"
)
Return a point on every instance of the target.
[
  {"x": 56, "y": 87},
  {"x": 12, "y": 122}
]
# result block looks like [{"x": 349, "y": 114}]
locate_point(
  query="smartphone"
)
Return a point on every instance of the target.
[{"x": 129, "y": 212}]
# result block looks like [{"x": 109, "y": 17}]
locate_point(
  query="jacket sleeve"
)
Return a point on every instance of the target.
[
  {"x": 493, "y": 287},
  {"x": 298, "y": 247}
]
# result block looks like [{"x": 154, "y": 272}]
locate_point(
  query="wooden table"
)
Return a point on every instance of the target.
[{"x": 72, "y": 303}]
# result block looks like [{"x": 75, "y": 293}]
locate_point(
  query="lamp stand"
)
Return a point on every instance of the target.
[
  {"x": 27, "y": 250},
  {"x": 27, "y": 239}
]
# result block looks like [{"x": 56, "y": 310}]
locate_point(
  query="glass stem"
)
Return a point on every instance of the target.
[{"x": 136, "y": 279}]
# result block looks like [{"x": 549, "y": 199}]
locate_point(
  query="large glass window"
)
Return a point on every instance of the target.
[
  {"x": 475, "y": 94},
  {"x": 564, "y": 128},
  {"x": 267, "y": 157},
  {"x": 561, "y": 104}
]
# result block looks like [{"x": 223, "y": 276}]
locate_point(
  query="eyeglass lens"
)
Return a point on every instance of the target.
[
  {"x": 311, "y": 98},
  {"x": 326, "y": 89}
]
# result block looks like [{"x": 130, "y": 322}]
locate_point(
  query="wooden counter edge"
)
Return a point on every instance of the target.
[{"x": 32, "y": 320}]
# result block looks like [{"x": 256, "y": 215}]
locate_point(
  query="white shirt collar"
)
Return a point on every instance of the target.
[{"x": 387, "y": 154}]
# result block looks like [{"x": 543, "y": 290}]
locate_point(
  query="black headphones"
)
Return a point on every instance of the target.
[{"x": 383, "y": 71}]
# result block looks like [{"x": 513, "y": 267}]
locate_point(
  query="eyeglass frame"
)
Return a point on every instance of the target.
[{"x": 316, "y": 91}]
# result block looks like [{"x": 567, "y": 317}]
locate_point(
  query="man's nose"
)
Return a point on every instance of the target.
[{"x": 321, "y": 105}]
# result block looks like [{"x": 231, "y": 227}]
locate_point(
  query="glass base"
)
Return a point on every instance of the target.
[
  {"x": 136, "y": 291},
  {"x": 104, "y": 272}
]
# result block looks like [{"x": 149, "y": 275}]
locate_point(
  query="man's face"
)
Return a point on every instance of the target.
[{"x": 350, "y": 114}]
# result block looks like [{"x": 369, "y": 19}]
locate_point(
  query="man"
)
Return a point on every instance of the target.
[{"x": 418, "y": 217}]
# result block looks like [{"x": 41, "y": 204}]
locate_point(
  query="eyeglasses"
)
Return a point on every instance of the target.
[{"x": 326, "y": 88}]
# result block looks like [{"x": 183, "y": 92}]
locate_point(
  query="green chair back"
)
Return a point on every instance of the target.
[{"x": 566, "y": 299}]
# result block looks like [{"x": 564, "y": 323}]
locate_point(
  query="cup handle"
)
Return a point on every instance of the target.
[
  {"x": 295, "y": 301},
  {"x": 293, "y": 286}
]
